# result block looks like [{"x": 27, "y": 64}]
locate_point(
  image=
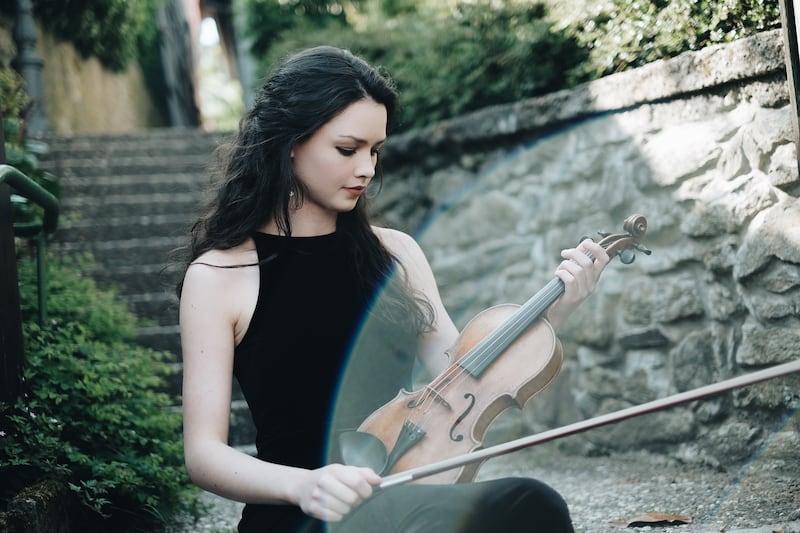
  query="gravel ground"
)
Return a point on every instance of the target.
[{"x": 758, "y": 497}]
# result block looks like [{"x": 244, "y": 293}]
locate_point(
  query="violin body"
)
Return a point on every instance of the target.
[
  {"x": 502, "y": 358},
  {"x": 451, "y": 414}
]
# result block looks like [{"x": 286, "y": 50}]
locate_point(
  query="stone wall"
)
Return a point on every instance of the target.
[
  {"x": 82, "y": 96},
  {"x": 702, "y": 145}
]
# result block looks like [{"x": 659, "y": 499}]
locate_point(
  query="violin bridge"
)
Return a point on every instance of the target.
[{"x": 439, "y": 398}]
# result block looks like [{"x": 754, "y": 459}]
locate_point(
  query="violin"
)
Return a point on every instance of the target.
[{"x": 502, "y": 358}]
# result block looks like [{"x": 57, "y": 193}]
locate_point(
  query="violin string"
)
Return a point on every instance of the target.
[
  {"x": 496, "y": 342},
  {"x": 514, "y": 327},
  {"x": 490, "y": 347},
  {"x": 480, "y": 356}
]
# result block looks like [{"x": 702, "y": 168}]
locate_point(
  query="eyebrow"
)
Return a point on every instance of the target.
[{"x": 360, "y": 141}]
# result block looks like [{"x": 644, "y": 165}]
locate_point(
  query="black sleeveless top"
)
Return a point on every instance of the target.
[{"x": 296, "y": 364}]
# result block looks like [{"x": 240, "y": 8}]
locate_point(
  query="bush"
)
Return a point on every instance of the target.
[
  {"x": 450, "y": 61},
  {"x": 95, "y": 414},
  {"x": 452, "y": 57},
  {"x": 620, "y": 34},
  {"x": 110, "y": 30},
  {"x": 268, "y": 19},
  {"x": 22, "y": 153}
]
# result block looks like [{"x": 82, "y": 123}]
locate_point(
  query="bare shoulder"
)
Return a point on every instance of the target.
[
  {"x": 221, "y": 268},
  {"x": 240, "y": 255},
  {"x": 400, "y": 244}
]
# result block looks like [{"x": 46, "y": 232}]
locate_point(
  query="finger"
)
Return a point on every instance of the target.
[
  {"x": 363, "y": 485},
  {"x": 597, "y": 251},
  {"x": 370, "y": 475},
  {"x": 582, "y": 273},
  {"x": 576, "y": 284},
  {"x": 323, "y": 513},
  {"x": 326, "y": 506},
  {"x": 577, "y": 256},
  {"x": 352, "y": 484},
  {"x": 338, "y": 494}
]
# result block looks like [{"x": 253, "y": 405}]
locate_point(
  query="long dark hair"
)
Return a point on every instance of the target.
[{"x": 255, "y": 181}]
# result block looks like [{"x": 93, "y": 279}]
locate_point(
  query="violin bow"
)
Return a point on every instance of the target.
[{"x": 591, "y": 423}]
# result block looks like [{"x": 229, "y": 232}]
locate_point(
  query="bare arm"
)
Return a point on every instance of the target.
[
  {"x": 435, "y": 343},
  {"x": 212, "y": 317}
]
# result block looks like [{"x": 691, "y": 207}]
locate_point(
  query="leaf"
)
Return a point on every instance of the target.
[{"x": 653, "y": 519}]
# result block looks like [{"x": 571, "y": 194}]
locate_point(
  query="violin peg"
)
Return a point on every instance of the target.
[{"x": 626, "y": 257}]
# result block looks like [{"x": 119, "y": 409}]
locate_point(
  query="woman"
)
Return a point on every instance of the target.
[{"x": 283, "y": 268}]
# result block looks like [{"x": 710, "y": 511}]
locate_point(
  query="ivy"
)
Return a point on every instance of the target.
[
  {"x": 95, "y": 414},
  {"x": 620, "y": 34},
  {"x": 114, "y": 31},
  {"x": 22, "y": 153}
]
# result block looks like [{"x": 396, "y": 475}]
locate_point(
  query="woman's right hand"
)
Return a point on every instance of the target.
[{"x": 330, "y": 492}]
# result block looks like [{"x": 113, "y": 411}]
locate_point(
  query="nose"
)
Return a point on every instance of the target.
[{"x": 365, "y": 167}]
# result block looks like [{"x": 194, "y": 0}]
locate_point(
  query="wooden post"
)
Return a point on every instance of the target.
[
  {"x": 790, "y": 46},
  {"x": 11, "y": 344}
]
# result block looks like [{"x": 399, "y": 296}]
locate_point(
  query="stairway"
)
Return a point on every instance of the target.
[{"x": 129, "y": 199}]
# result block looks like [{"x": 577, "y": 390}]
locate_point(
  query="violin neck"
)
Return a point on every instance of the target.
[
  {"x": 494, "y": 344},
  {"x": 539, "y": 303}
]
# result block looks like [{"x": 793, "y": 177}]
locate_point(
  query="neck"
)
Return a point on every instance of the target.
[{"x": 303, "y": 226}]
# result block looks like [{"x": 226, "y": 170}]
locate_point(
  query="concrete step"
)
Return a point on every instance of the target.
[
  {"x": 125, "y": 252},
  {"x": 100, "y": 165},
  {"x": 128, "y": 200},
  {"x": 116, "y": 205},
  {"x": 145, "y": 202},
  {"x": 123, "y": 227},
  {"x": 169, "y": 182},
  {"x": 161, "y": 338},
  {"x": 158, "y": 308},
  {"x": 144, "y": 142},
  {"x": 140, "y": 278}
]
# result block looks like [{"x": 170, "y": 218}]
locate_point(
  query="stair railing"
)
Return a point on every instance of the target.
[{"x": 35, "y": 231}]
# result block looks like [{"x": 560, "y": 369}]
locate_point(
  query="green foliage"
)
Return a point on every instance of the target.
[
  {"x": 13, "y": 99},
  {"x": 114, "y": 31},
  {"x": 450, "y": 61},
  {"x": 449, "y": 57},
  {"x": 267, "y": 19},
  {"x": 22, "y": 153},
  {"x": 95, "y": 414},
  {"x": 620, "y": 34}
]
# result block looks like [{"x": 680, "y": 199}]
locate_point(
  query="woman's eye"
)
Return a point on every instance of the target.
[{"x": 346, "y": 151}]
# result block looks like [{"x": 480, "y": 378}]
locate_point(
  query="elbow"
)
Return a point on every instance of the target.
[
  {"x": 193, "y": 469},
  {"x": 197, "y": 465}
]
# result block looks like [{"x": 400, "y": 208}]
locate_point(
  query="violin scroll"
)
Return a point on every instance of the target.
[{"x": 625, "y": 244}]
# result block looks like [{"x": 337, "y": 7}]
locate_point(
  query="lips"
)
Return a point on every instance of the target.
[{"x": 356, "y": 191}]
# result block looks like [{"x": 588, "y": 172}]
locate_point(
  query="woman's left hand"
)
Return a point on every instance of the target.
[{"x": 580, "y": 273}]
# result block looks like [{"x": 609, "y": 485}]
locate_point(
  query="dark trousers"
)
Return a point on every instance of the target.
[{"x": 509, "y": 505}]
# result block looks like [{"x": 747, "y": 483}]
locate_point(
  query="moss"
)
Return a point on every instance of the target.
[
  {"x": 44, "y": 491},
  {"x": 40, "y": 507}
]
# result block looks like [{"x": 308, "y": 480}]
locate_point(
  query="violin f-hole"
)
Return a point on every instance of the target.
[{"x": 458, "y": 438}]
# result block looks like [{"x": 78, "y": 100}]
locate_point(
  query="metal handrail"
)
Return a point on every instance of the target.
[{"x": 34, "y": 192}]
